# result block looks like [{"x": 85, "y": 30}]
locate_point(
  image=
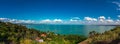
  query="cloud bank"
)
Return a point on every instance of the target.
[
  {"x": 90, "y": 19},
  {"x": 101, "y": 20},
  {"x": 16, "y": 20}
]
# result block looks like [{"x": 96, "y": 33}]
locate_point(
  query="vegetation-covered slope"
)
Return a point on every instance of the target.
[
  {"x": 108, "y": 37},
  {"x": 18, "y": 34}
]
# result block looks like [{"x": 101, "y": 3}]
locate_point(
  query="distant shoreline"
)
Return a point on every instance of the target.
[{"x": 74, "y": 24}]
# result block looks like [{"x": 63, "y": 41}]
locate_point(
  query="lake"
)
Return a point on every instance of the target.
[{"x": 70, "y": 29}]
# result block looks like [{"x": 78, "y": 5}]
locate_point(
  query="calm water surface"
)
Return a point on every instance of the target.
[{"x": 70, "y": 29}]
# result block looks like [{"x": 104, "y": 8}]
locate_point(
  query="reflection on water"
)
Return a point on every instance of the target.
[
  {"x": 71, "y": 29},
  {"x": 99, "y": 29}
]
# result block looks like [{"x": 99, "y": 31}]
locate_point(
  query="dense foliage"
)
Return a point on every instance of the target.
[
  {"x": 108, "y": 37},
  {"x": 18, "y": 34}
]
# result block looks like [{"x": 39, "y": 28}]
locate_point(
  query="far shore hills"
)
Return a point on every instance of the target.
[{"x": 72, "y": 24}]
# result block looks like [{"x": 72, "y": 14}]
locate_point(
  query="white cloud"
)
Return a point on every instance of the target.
[
  {"x": 3, "y": 18},
  {"x": 46, "y": 21},
  {"x": 75, "y": 19},
  {"x": 102, "y": 18},
  {"x": 110, "y": 20},
  {"x": 90, "y": 19},
  {"x": 57, "y": 20},
  {"x": 12, "y": 20},
  {"x": 21, "y": 21},
  {"x": 29, "y": 21},
  {"x": 94, "y": 19},
  {"x": 87, "y": 18},
  {"x": 118, "y": 4},
  {"x": 51, "y": 21},
  {"x": 16, "y": 20}
]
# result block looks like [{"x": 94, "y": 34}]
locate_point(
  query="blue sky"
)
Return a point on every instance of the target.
[{"x": 57, "y": 9}]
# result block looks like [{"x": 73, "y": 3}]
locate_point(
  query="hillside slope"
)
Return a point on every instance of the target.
[
  {"x": 18, "y": 34},
  {"x": 108, "y": 37}
]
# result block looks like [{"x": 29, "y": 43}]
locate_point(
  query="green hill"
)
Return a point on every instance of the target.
[
  {"x": 18, "y": 34},
  {"x": 108, "y": 37}
]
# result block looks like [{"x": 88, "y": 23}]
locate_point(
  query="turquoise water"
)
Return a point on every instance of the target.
[{"x": 70, "y": 29}]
